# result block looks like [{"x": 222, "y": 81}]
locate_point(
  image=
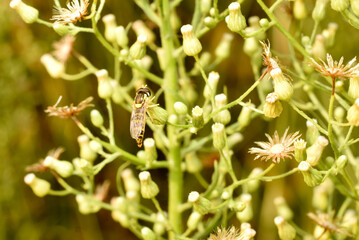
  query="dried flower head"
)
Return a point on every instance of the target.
[
  {"x": 68, "y": 111},
  {"x": 277, "y": 148},
  {"x": 224, "y": 234},
  {"x": 336, "y": 69},
  {"x": 270, "y": 62},
  {"x": 77, "y": 9},
  {"x": 328, "y": 222},
  {"x": 63, "y": 48},
  {"x": 39, "y": 166},
  {"x": 102, "y": 190}
]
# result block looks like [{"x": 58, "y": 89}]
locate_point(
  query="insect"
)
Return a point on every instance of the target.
[{"x": 138, "y": 116}]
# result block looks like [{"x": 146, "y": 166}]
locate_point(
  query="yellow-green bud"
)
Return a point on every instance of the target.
[
  {"x": 283, "y": 209},
  {"x": 320, "y": 198},
  {"x": 223, "y": 49},
  {"x": 219, "y": 136},
  {"x": 110, "y": 27},
  {"x": 191, "y": 45},
  {"x": 299, "y": 10},
  {"x": 353, "y": 114},
  {"x": 180, "y": 108},
  {"x": 209, "y": 22},
  {"x": 205, "y": 6},
  {"x": 354, "y": 4},
  {"x": 318, "y": 50},
  {"x": 140, "y": 28},
  {"x": 329, "y": 34},
  {"x": 340, "y": 164},
  {"x": 244, "y": 117},
  {"x": 353, "y": 90},
  {"x": 247, "y": 214},
  {"x": 85, "y": 151},
  {"x": 86, "y": 204},
  {"x": 54, "y": 67},
  {"x": 148, "y": 234},
  {"x": 104, "y": 87},
  {"x": 159, "y": 116},
  {"x": 253, "y": 185},
  {"x": 96, "y": 118},
  {"x": 197, "y": 117},
  {"x": 254, "y": 26},
  {"x": 82, "y": 166},
  {"x": 312, "y": 177},
  {"x": 130, "y": 182},
  {"x": 124, "y": 54},
  {"x": 251, "y": 46},
  {"x": 299, "y": 150},
  {"x": 321, "y": 233},
  {"x": 339, "y": 5},
  {"x": 235, "y": 20},
  {"x": 312, "y": 133},
  {"x": 339, "y": 114},
  {"x": 138, "y": 49},
  {"x": 234, "y": 139},
  {"x": 95, "y": 146},
  {"x": 319, "y": 10},
  {"x": 63, "y": 168},
  {"x": 282, "y": 86},
  {"x": 263, "y": 22},
  {"x": 193, "y": 220},
  {"x": 285, "y": 230},
  {"x": 224, "y": 116},
  {"x": 349, "y": 221},
  {"x": 28, "y": 14},
  {"x": 272, "y": 107},
  {"x": 175, "y": 21},
  {"x": 39, "y": 186},
  {"x": 237, "y": 205},
  {"x": 121, "y": 206},
  {"x": 60, "y": 28},
  {"x": 149, "y": 188},
  {"x": 315, "y": 151},
  {"x": 193, "y": 163},
  {"x": 150, "y": 150},
  {"x": 210, "y": 88},
  {"x": 121, "y": 36},
  {"x": 159, "y": 227},
  {"x": 200, "y": 204}
]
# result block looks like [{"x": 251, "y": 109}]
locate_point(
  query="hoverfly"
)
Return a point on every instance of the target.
[{"x": 138, "y": 116}]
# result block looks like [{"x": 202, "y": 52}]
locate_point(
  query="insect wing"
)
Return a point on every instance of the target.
[{"x": 138, "y": 121}]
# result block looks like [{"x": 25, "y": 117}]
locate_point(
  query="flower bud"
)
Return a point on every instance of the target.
[
  {"x": 219, "y": 136},
  {"x": 159, "y": 227},
  {"x": 329, "y": 34},
  {"x": 312, "y": 177},
  {"x": 96, "y": 118},
  {"x": 315, "y": 151},
  {"x": 138, "y": 49},
  {"x": 235, "y": 20},
  {"x": 121, "y": 36},
  {"x": 312, "y": 133},
  {"x": 197, "y": 117},
  {"x": 247, "y": 214},
  {"x": 130, "y": 182},
  {"x": 159, "y": 116},
  {"x": 299, "y": 10},
  {"x": 263, "y": 22},
  {"x": 95, "y": 146},
  {"x": 193, "y": 220},
  {"x": 237, "y": 205},
  {"x": 63, "y": 168},
  {"x": 54, "y": 67},
  {"x": 180, "y": 108},
  {"x": 319, "y": 10},
  {"x": 149, "y": 188},
  {"x": 140, "y": 28},
  {"x": 27, "y": 13},
  {"x": 282, "y": 86},
  {"x": 321, "y": 193},
  {"x": 244, "y": 117},
  {"x": 339, "y": 114},
  {"x": 340, "y": 164},
  {"x": 299, "y": 150},
  {"x": 211, "y": 88},
  {"x": 120, "y": 213},
  {"x": 272, "y": 107},
  {"x": 110, "y": 27},
  {"x": 104, "y": 87},
  {"x": 209, "y": 22},
  {"x": 148, "y": 234},
  {"x": 191, "y": 45},
  {"x": 283, "y": 209},
  {"x": 353, "y": 114},
  {"x": 150, "y": 150},
  {"x": 82, "y": 167},
  {"x": 349, "y": 221},
  {"x": 200, "y": 204},
  {"x": 223, "y": 49},
  {"x": 253, "y": 185},
  {"x": 339, "y": 5},
  {"x": 353, "y": 90},
  {"x": 285, "y": 230},
  {"x": 223, "y": 116},
  {"x": 255, "y": 25},
  {"x": 193, "y": 163},
  {"x": 234, "y": 139},
  {"x": 86, "y": 204},
  {"x": 251, "y": 46},
  {"x": 318, "y": 50},
  {"x": 39, "y": 186},
  {"x": 205, "y": 6},
  {"x": 85, "y": 151},
  {"x": 354, "y": 4},
  {"x": 60, "y": 28}
]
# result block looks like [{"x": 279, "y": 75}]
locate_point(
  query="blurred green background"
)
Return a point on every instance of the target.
[{"x": 27, "y": 134}]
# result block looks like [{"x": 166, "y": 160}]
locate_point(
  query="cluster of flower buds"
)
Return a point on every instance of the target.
[{"x": 285, "y": 230}]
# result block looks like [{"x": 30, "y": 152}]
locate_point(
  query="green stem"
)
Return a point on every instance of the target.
[
  {"x": 111, "y": 124},
  {"x": 77, "y": 76},
  {"x": 270, "y": 178},
  {"x": 330, "y": 125}
]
